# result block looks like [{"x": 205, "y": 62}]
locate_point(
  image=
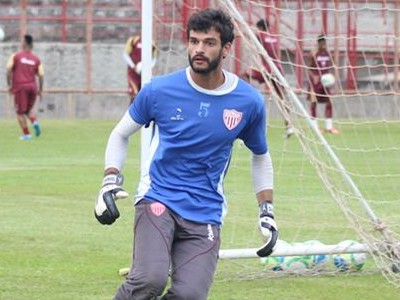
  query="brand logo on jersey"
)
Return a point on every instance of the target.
[
  {"x": 157, "y": 208},
  {"x": 232, "y": 118},
  {"x": 178, "y": 115},
  {"x": 27, "y": 61},
  {"x": 270, "y": 39},
  {"x": 323, "y": 60},
  {"x": 210, "y": 233}
]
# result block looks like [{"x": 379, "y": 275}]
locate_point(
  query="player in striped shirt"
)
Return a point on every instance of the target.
[
  {"x": 180, "y": 204},
  {"x": 24, "y": 68}
]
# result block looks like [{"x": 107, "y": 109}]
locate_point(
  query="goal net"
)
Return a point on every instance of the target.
[
  {"x": 336, "y": 195},
  {"x": 354, "y": 168}
]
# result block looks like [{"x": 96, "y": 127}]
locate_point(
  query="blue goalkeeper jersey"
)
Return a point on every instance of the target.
[{"x": 195, "y": 130}]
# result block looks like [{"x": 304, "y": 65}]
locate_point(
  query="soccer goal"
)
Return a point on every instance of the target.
[{"x": 334, "y": 194}]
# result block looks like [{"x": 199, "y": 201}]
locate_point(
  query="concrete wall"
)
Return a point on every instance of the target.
[
  {"x": 67, "y": 83},
  {"x": 65, "y": 67},
  {"x": 112, "y": 106},
  {"x": 67, "y": 64}
]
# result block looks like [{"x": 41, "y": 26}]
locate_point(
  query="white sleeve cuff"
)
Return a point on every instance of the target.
[
  {"x": 117, "y": 145},
  {"x": 128, "y": 60},
  {"x": 262, "y": 172}
]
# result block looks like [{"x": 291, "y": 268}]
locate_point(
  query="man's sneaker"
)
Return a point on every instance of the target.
[
  {"x": 37, "y": 129},
  {"x": 333, "y": 131},
  {"x": 289, "y": 132},
  {"x": 25, "y": 137}
]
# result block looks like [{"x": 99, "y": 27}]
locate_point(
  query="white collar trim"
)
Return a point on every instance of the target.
[{"x": 230, "y": 83}]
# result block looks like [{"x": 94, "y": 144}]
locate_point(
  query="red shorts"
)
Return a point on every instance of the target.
[
  {"x": 24, "y": 98},
  {"x": 321, "y": 99},
  {"x": 134, "y": 83},
  {"x": 322, "y": 95}
]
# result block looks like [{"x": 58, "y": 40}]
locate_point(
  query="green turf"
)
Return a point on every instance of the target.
[{"x": 51, "y": 246}]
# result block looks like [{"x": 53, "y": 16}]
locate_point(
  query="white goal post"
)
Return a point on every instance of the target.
[{"x": 147, "y": 41}]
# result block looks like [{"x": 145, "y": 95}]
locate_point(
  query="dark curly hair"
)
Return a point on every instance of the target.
[
  {"x": 321, "y": 38},
  {"x": 209, "y": 18},
  {"x": 263, "y": 24},
  {"x": 28, "y": 40}
]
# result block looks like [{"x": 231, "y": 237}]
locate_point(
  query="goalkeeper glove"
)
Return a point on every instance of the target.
[
  {"x": 268, "y": 229},
  {"x": 105, "y": 210}
]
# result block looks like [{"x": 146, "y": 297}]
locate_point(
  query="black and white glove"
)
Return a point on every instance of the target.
[
  {"x": 268, "y": 229},
  {"x": 105, "y": 210}
]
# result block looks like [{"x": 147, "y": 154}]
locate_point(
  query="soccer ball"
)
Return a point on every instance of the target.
[
  {"x": 328, "y": 80},
  {"x": 2, "y": 34},
  {"x": 349, "y": 261},
  {"x": 319, "y": 261},
  {"x": 274, "y": 263},
  {"x": 297, "y": 264},
  {"x": 282, "y": 245}
]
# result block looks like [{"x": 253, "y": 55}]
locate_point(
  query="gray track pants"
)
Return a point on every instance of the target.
[{"x": 165, "y": 244}]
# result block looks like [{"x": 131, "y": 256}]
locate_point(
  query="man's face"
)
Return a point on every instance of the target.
[
  {"x": 24, "y": 46},
  {"x": 322, "y": 45},
  {"x": 205, "y": 51},
  {"x": 260, "y": 28}
]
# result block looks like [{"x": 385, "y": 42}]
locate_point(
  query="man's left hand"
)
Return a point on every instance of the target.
[{"x": 268, "y": 229}]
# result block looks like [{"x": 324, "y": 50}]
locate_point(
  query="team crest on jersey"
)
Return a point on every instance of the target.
[
  {"x": 157, "y": 208},
  {"x": 232, "y": 118}
]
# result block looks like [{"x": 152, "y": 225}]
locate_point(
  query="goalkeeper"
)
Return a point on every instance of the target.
[{"x": 180, "y": 204}]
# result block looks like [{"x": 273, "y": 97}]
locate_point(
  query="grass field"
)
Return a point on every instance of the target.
[{"x": 51, "y": 246}]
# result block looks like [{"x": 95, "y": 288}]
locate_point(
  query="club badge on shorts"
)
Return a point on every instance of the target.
[
  {"x": 232, "y": 118},
  {"x": 157, "y": 208}
]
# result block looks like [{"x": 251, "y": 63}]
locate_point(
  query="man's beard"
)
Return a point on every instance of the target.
[{"x": 212, "y": 65}]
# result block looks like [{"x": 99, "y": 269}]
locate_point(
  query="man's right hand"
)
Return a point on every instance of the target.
[
  {"x": 138, "y": 68},
  {"x": 106, "y": 211}
]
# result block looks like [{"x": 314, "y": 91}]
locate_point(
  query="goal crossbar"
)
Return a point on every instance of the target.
[{"x": 295, "y": 250}]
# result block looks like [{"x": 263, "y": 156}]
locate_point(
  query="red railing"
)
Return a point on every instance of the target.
[{"x": 93, "y": 21}]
